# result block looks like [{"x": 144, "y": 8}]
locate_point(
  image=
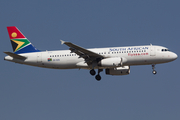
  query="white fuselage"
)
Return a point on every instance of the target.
[{"x": 64, "y": 59}]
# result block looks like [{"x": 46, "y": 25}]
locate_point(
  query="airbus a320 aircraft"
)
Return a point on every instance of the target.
[{"x": 115, "y": 60}]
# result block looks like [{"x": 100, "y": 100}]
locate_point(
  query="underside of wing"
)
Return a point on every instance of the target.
[{"x": 88, "y": 55}]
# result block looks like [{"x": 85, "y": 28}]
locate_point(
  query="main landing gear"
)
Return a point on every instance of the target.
[
  {"x": 154, "y": 71},
  {"x": 93, "y": 72}
]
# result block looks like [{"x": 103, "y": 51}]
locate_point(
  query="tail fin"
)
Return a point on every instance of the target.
[{"x": 19, "y": 42}]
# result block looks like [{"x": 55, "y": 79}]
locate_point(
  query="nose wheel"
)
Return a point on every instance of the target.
[{"x": 154, "y": 71}]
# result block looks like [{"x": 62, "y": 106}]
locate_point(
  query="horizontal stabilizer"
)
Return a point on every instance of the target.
[{"x": 15, "y": 55}]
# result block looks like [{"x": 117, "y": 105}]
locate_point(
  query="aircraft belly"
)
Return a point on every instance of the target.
[
  {"x": 134, "y": 60},
  {"x": 61, "y": 63}
]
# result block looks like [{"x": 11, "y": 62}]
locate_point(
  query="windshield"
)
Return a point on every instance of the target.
[{"x": 165, "y": 50}]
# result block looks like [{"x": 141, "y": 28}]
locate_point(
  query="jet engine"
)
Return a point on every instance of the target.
[
  {"x": 112, "y": 62},
  {"x": 125, "y": 70}
]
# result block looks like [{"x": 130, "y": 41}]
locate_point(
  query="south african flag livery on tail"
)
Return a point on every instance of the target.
[{"x": 20, "y": 43}]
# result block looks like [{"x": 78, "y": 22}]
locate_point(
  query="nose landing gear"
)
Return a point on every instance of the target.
[{"x": 154, "y": 71}]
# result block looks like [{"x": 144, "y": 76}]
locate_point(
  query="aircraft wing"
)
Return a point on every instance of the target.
[{"x": 82, "y": 52}]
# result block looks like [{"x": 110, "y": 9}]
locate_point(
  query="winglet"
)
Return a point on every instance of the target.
[{"x": 62, "y": 42}]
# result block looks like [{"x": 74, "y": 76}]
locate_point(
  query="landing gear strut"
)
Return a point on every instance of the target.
[
  {"x": 154, "y": 71},
  {"x": 98, "y": 77},
  {"x": 93, "y": 72}
]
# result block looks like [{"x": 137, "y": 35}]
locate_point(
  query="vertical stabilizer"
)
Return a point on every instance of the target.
[{"x": 19, "y": 42}]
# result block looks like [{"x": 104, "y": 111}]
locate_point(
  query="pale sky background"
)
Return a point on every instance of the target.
[{"x": 32, "y": 93}]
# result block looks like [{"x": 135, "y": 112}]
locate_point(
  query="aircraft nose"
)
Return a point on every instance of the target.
[{"x": 174, "y": 56}]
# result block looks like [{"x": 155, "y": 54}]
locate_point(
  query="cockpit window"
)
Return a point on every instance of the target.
[{"x": 165, "y": 50}]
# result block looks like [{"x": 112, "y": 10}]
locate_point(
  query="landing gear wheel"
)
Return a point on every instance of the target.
[
  {"x": 154, "y": 72},
  {"x": 92, "y": 72},
  {"x": 98, "y": 77}
]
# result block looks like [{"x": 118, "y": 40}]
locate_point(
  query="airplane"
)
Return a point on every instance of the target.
[{"x": 115, "y": 60}]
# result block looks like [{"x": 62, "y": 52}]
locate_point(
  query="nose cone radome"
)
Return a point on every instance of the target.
[{"x": 174, "y": 56}]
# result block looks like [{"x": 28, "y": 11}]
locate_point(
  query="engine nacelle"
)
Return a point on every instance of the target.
[
  {"x": 125, "y": 70},
  {"x": 110, "y": 62}
]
